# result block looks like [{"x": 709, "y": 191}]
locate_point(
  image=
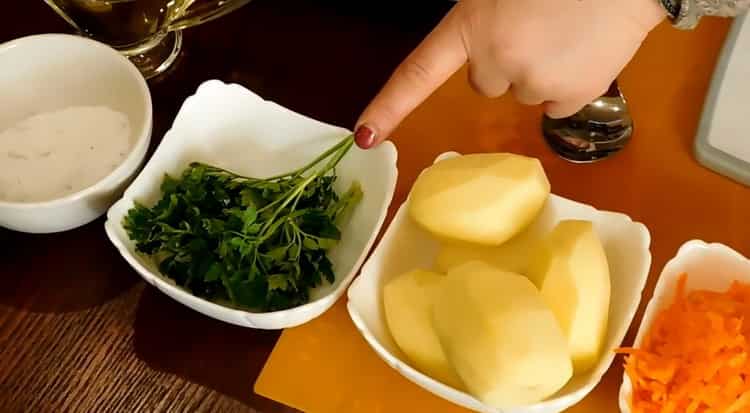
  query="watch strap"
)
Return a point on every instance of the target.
[
  {"x": 672, "y": 7},
  {"x": 686, "y": 14}
]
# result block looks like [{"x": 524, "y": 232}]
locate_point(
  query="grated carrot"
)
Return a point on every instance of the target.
[{"x": 695, "y": 358}]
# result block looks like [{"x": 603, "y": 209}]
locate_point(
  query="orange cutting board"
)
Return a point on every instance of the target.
[{"x": 325, "y": 366}]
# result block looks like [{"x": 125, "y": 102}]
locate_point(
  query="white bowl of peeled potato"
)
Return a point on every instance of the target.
[{"x": 491, "y": 292}]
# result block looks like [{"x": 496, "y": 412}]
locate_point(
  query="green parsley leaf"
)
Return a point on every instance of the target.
[{"x": 260, "y": 244}]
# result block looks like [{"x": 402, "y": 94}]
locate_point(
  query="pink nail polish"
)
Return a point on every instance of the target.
[{"x": 364, "y": 137}]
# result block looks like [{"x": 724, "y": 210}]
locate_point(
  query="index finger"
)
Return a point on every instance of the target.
[{"x": 438, "y": 57}]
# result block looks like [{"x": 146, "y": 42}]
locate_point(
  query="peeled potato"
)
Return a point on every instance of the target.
[
  {"x": 500, "y": 336},
  {"x": 513, "y": 255},
  {"x": 407, "y": 300},
  {"x": 511, "y": 258},
  {"x": 479, "y": 198},
  {"x": 572, "y": 273}
]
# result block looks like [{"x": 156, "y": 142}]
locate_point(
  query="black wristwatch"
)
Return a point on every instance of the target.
[
  {"x": 686, "y": 14},
  {"x": 672, "y": 7}
]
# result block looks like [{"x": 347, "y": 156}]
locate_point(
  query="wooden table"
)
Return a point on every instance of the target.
[{"x": 79, "y": 330}]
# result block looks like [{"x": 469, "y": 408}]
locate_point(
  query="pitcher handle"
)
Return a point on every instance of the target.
[{"x": 204, "y": 11}]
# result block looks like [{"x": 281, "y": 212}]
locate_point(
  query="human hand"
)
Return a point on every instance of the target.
[{"x": 562, "y": 54}]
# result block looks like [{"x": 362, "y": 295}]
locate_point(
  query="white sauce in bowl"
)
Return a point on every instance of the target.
[{"x": 54, "y": 154}]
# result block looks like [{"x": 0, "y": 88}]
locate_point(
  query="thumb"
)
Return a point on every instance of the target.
[{"x": 439, "y": 55}]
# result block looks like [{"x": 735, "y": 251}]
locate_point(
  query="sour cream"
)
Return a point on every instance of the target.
[{"x": 54, "y": 154}]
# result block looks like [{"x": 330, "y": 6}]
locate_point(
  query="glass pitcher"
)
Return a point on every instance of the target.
[{"x": 148, "y": 32}]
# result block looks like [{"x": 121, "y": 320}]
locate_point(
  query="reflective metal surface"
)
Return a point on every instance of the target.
[{"x": 599, "y": 130}]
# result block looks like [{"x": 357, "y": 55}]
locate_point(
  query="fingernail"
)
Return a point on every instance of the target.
[{"x": 364, "y": 136}]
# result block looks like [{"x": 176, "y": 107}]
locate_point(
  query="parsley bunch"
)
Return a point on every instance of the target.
[{"x": 259, "y": 244}]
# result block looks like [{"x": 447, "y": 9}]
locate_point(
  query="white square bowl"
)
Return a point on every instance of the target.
[
  {"x": 708, "y": 267},
  {"x": 406, "y": 246},
  {"x": 231, "y": 127}
]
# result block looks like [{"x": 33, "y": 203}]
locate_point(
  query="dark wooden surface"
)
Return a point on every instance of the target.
[{"x": 79, "y": 330}]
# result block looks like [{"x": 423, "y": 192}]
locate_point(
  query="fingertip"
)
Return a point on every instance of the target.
[
  {"x": 365, "y": 136},
  {"x": 438, "y": 57}
]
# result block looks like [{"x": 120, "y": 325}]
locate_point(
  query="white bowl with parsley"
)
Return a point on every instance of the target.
[{"x": 253, "y": 214}]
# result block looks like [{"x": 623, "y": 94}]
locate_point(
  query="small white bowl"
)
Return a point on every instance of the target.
[
  {"x": 231, "y": 127},
  {"x": 53, "y": 71},
  {"x": 708, "y": 267},
  {"x": 406, "y": 246}
]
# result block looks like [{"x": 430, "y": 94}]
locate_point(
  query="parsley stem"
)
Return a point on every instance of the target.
[
  {"x": 339, "y": 151},
  {"x": 297, "y": 191},
  {"x": 346, "y": 142}
]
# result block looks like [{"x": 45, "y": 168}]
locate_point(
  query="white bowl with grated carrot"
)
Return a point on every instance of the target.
[{"x": 692, "y": 351}]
